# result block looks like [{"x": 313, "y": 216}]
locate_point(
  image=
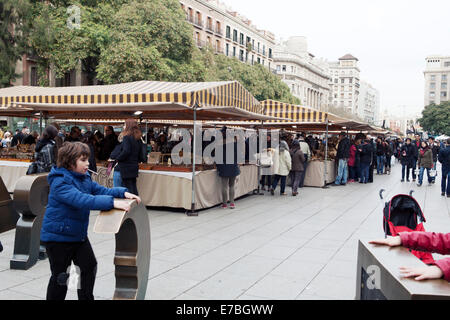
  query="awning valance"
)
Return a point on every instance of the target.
[{"x": 163, "y": 100}]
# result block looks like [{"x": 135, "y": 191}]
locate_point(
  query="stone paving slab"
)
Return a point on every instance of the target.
[{"x": 269, "y": 247}]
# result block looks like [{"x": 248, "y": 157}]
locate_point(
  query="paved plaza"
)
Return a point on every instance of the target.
[{"x": 269, "y": 247}]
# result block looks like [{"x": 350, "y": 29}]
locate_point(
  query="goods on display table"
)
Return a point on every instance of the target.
[{"x": 21, "y": 152}]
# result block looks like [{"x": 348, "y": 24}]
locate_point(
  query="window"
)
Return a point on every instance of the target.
[
  {"x": 432, "y": 85},
  {"x": 228, "y": 32},
  {"x": 258, "y": 47},
  {"x": 227, "y": 52},
  {"x": 234, "y": 51},
  {"x": 33, "y": 76},
  {"x": 432, "y": 94},
  {"x": 432, "y": 77},
  {"x": 444, "y": 77},
  {"x": 264, "y": 50},
  {"x": 270, "y": 53},
  {"x": 336, "y": 80},
  {"x": 241, "y": 39},
  {"x": 284, "y": 67},
  {"x": 241, "y": 55},
  {"x": 259, "y": 62},
  {"x": 342, "y": 80},
  {"x": 444, "y": 85},
  {"x": 444, "y": 94},
  {"x": 447, "y": 64},
  {"x": 235, "y": 35},
  {"x": 292, "y": 69},
  {"x": 350, "y": 80}
]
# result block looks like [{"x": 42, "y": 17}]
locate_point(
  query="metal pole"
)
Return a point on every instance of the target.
[
  {"x": 326, "y": 157},
  {"x": 192, "y": 211},
  {"x": 40, "y": 123},
  {"x": 259, "y": 161}
]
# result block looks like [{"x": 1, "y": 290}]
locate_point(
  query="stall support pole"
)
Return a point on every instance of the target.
[
  {"x": 326, "y": 158},
  {"x": 192, "y": 212},
  {"x": 40, "y": 123},
  {"x": 258, "y": 192}
]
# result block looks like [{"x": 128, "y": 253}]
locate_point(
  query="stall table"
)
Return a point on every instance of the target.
[
  {"x": 315, "y": 173},
  {"x": 174, "y": 189},
  {"x": 11, "y": 171}
]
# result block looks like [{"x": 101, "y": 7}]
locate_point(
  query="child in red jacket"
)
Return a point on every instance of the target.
[{"x": 423, "y": 241}]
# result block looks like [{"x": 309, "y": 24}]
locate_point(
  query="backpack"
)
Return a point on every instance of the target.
[{"x": 44, "y": 159}]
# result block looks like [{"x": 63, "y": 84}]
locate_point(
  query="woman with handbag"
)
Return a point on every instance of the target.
[
  {"x": 130, "y": 155},
  {"x": 425, "y": 162}
]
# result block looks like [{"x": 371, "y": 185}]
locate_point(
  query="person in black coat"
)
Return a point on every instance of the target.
[
  {"x": 108, "y": 143},
  {"x": 342, "y": 155},
  {"x": 444, "y": 158},
  {"x": 131, "y": 154},
  {"x": 228, "y": 171},
  {"x": 407, "y": 158},
  {"x": 89, "y": 139},
  {"x": 365, "y": 151}
]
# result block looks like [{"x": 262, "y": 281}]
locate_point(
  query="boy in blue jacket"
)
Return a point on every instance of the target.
[{"x": 64, "y": 230}]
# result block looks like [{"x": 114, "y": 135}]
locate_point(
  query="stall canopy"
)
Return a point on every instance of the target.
[
  {"x": 227, "y": 100},
  {"x": 292, "y": 116}
]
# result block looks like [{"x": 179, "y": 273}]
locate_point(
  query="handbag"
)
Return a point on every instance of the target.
[
  {"x": 265, "y": 160},
  {"x": 110, "y": 169},
  {"x": 32, "y": 169}
]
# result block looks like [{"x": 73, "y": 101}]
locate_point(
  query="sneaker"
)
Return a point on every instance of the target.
[
  {"x": 407, "y": 180},
  {"x": 283, "y": 194},
  {"x": 232, "y": 206},
  {"x": 403, "y": 180},
  {"x": 224, "y": 206},
  {"x": 294, "y": 194},
  {"x": 443, "y": 194},
  {"x": 272, "y": 192},
  {"x": 419, "y": 184}
]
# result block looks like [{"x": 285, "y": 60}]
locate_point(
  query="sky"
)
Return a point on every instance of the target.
[{"x": 391, "y": 38}]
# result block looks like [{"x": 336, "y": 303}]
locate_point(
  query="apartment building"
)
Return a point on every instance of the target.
[
  {"x": 307, "y": 77},
  {"x": 345, "y": 84},
  {"x": 437, "y": 75},
  {"x": 228, "y": 32},
  {"x": 369, "y": 103}
]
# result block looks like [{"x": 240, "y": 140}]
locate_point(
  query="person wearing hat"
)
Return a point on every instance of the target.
[{"x": 6, "y": 141}]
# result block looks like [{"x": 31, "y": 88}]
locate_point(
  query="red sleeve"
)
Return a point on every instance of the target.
[
  {"x": 426, "y": 241},
  {"x": 444, "y": 265}
]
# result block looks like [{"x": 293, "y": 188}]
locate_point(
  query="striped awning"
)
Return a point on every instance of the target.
[
  {"x": 226, "y": 100},
  {"x": 295, "y": 113}
]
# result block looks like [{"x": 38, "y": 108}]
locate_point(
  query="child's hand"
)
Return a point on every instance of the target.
[
  {"x": 132, "y": 196},
  {"x": 391, "y": 241},
  {"x": 121, "y": 205},
  {"x": 424, "y": 273}
]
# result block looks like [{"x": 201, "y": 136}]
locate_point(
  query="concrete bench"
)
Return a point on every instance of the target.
[{"x": 378, "y": 276}]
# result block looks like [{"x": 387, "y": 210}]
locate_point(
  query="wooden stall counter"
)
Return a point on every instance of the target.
[{"x": 315, "y": 173}]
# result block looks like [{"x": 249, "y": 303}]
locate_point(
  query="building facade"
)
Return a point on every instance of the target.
[
  {"x": 229, "y": 33},
  {"x": 437, "y": 75},
  {"x": 345, "y": 84},
  {"x": 369, "y": 103},
  {"x": 308, "y": 78}
]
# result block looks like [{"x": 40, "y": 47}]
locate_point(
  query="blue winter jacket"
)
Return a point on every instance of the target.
[
  {"x": 72, "y": 196},
  {"x": 444, "y": 158}
]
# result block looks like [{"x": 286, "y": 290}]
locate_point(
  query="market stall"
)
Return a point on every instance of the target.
[{"x": 142, "y": 100}]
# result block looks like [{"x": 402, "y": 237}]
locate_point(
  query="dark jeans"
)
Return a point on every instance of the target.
[
  {"x": 295, "y": 179},
  {"x": 445, "y": 181},
  {"x": 421, "y": 173},
  {"x": 388, "y": 162},
  {"x": 130, "y": 184},
  {"x": 414, "y": 176},
  {"x": 352, "y": 173},
  {"x": 276, "y": 179},
  {"x": 60, "y": 256},
  {"x": 266, "y": 180},
  {"x": 407, "y": 168},
  {"x": 365, "y": 168},
  {"x": 302, "y": 174},
  {"x": 371, "y": 167}
]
